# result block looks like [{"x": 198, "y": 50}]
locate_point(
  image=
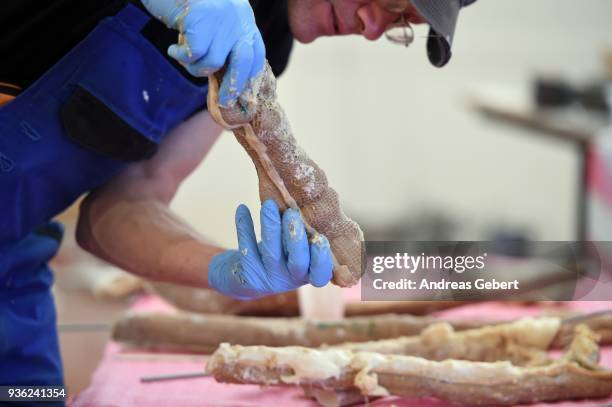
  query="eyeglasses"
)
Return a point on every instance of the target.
[{"x": 400, "y": 32}]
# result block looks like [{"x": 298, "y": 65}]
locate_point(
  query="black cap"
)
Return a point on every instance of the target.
[{"x": 441, "y": 15}]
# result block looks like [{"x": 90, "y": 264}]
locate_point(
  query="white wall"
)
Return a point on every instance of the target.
[{"x": 395, "y": 135}]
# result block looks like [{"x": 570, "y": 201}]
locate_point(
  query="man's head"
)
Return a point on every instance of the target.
[{"x": 310, "y": 19}]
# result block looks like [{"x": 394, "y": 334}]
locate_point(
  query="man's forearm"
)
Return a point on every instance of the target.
[
  {"x": 128, "y": 221},
  {"x": 147, "y": 239}
]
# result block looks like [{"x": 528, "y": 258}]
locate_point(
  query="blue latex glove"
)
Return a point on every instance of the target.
[
  {"x": 214, "y": 31},
  {"x": 283, "y": 261}
]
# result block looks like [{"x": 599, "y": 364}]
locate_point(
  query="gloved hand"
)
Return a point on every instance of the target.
[
  {"x": 214, "y": 30},
  {"x": 283, "y": 261}
]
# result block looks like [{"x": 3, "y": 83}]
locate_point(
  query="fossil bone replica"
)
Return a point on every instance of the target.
[
  {"x": 573, "y": 376},
  {"x": 191, "y": 332},
  {"x": 286, "y": 173}
]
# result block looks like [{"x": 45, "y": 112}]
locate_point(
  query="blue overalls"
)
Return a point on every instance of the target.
[{"x": 110, "y": 101}]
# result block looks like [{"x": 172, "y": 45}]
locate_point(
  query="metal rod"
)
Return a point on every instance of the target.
[{"x": 175, "y": 376}]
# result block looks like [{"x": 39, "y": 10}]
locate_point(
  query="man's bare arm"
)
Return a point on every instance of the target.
[{"x": 128, "y": 221}]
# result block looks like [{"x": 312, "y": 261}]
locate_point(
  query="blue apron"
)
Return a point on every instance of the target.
[{"x": 108, "y": 102}]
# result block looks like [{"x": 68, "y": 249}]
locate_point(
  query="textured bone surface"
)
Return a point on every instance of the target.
[
  {"x": 573, "y": 376},
  {"x": 286, "y": 173},
  {"x": 190, "y": 332},
  {"x": 522, "y": 342}
]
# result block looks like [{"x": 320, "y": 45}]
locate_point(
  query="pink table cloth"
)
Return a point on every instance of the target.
[{"x": 116, "y": 382}]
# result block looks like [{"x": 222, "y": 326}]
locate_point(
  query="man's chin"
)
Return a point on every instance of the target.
[
  {"x": 305, "y": 40},
  {"x": 306, "y": 37},
  {"x": 302, "y": 35}
]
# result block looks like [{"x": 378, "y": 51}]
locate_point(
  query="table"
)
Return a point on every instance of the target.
[{"x": 116, "y": 381}]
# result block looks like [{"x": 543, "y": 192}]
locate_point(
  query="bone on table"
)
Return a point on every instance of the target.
[{"x": 575, "y": 375}]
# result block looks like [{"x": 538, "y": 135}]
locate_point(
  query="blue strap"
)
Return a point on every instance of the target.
[{"x": 133, "y": 17}]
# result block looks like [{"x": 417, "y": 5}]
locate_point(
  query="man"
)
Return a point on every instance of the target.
[{"x": 92, "y": 103}]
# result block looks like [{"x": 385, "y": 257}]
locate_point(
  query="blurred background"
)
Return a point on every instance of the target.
[{"x": 406, "y": 147}]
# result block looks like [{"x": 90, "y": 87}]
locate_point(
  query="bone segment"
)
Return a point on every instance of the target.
[
  {"x": 573, "y": 376},
  {"x": 286, "y": 173}
]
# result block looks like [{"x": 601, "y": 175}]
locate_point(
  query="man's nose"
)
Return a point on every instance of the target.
[{"x": 374, "y": 20}]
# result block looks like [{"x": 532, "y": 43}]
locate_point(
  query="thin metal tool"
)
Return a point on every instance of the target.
[{"x": 175, "y": 376}]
